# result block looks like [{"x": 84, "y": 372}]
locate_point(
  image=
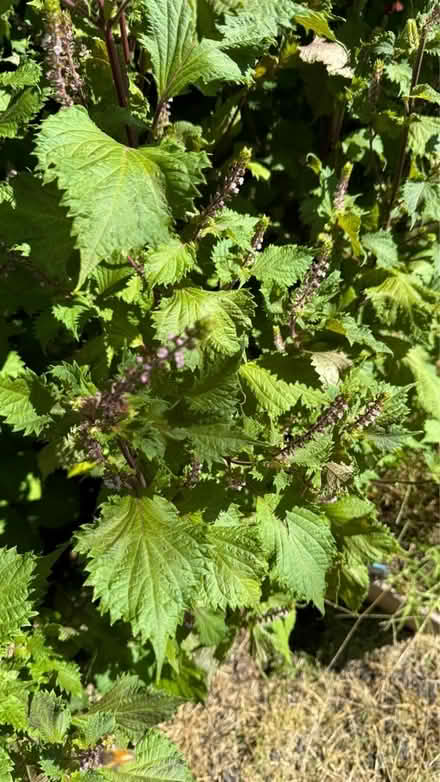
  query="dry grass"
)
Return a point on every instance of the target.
[{"x": 377, "y": 720}]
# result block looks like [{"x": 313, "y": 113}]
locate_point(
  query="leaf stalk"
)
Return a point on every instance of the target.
[{"x": 409, "y": 108}]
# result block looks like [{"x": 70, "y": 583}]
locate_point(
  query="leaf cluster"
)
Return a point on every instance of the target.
[{"x": 220, "y": 285}]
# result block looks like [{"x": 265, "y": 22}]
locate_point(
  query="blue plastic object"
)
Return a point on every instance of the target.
[{"x": 378, "y": 570}]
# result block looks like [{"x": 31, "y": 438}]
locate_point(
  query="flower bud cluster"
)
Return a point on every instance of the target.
[
  {"x": 235, "y": 480},
  {"x": 329, "y": 417},
  {"x": 91, "y": 758},
  {"x": 316, "y": 274},
  {"x": 374, "y": 89},
  {"x": 230, "y": 187},
  {"x": 432, "y": 19},
  {"x": 372, "y": 412},
  {"x": 193, "y": 475},
  {"x": 62, "y": 70},
  {"x": 116, "y": 481},
  {"x": 257, "y": 241},
  {"x": 278, "y": 340},
  {"x": 163, "y": 120},
  {"x": 105, "y": 409},
  {"x": 341, "y": 190}
]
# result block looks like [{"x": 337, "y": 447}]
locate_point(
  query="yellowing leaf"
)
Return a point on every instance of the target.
[
  {"x": 329, "y": 364},
  {"x": 331, "y": 54},
  {"x": 80, "y": 468},
  {"x": 350, "y": 224},
  {"x": 259, "y": 171},
  {"x": 315, "y": 21}
]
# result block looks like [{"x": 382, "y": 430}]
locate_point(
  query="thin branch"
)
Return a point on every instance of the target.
[
  {"x": 400, "y": 514},
  {"x": 397, "y": 480},
  {"x": 352, "y": 631},
  {"x": 409, "y": 107}
]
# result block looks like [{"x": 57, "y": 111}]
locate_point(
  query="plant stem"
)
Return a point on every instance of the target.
[
  {"x": 156, "y": 118},
  {"x": 137, "y": 267},
  {"x": 120, "y": 11},
  {"x": 409, "y": 107},
  {"x": 118, "y": 77},
  {"x": 72, "y": 6},
  {"x": 131, "y": 461},
  {"x": 124, "y": 38}
]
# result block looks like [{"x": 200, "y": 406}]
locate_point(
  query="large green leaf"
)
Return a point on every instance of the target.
[
  {"x": 14, "y": 707},
  {"x": 49, "y": 717},
  {"x": 144, "y": 564},
  {"x": 235, "y": 567},
  {"x": 348, "y": 507},
  {"x": 134, "y": 707},
  {"x": 38, "y": 219},
  {"x": 356, "y": 334},
  {"x": 362, "y": 542},
  {"x": 24, "y": 403},
  {"x": 302, "y": 546},
  {"x": 422, "y": 129},
  {"x": 383, "y": 246},
  {"x": 283, "y": 265},
  {"x": 178, "y": 58},
  {"x": 15, "y": 586},
  {"x": 157, "y": 760},
  {"x": 119, "y": 198},
  {"x": 223, "y": 315},
  {"x": 274, "y": 395},
  {"x": 169, "y": 263},
  {"x": 19, "y": 112},
  {"x": 6, "y": 766},
  {"x": 399, "y": 291},
  {"x": 214, "y": 441},
  {"x": 422, "y": 200},
  {"x": 26, "y": 75},
  {"x": 313, "y": 20},
  {"x": 427, "y": 380}
]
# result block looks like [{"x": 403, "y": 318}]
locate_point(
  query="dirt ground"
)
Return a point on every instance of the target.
[{"x": 377, "y": 719}]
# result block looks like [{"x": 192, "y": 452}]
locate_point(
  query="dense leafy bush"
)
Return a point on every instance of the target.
[{"x": 220, "y": 281}]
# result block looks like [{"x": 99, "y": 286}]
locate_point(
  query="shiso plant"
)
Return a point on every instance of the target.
[{"x": 220, "y": 266}]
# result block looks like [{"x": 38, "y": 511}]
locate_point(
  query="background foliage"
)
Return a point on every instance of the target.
[{"x": 220, "y": 272}]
